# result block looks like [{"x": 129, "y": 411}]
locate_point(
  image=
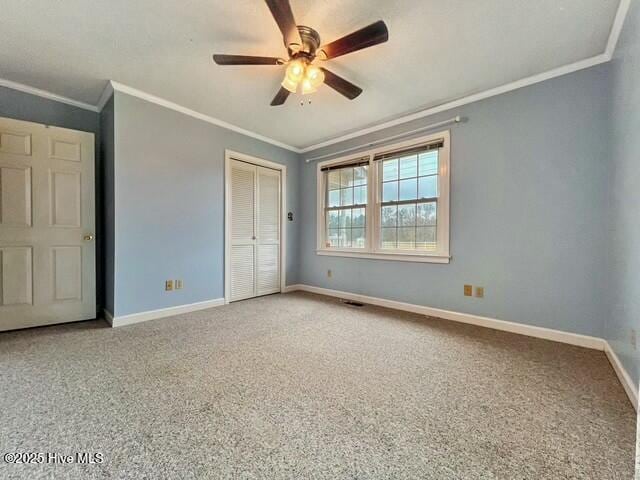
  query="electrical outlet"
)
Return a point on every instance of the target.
[
  {"x": 479, "y": 292},
  {"x": 178, "y": 284},
  {"x": 168, "y": 285},
  {"x": 468, "y": 290},
  {"x": 634, "y": 338},
  {"x": 329, "y": 273}
]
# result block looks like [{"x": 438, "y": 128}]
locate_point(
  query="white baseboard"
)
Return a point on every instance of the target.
[
  {"x": 529, "y": 330},
  {"x": 291, "y": 288},
  {"x": 519, "y": 328},
  {"x": 119, "y": 321},
  {"x": 108, "y": 316},
  {"x": 623, "y": 375}
]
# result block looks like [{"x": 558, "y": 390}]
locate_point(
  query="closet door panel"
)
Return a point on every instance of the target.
[
  {"x": 268, "y": 269},
  {"x": 242, "y": 272},
  {"x": 243, "y": 237},
  {"x": 268, "y": 227},
  {"x": 243, "y": 199}
]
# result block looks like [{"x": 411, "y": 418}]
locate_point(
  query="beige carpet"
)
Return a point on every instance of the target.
[{"x": 300, "y": 386}]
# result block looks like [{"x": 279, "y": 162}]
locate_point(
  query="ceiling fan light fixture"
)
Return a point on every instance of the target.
[
  {"x": 295, "y": 70},
  {"x": 315, "y": 76},
  {"x": 289, "y": 84},
  {"x": 294, "y": 74},
  {"x": 308, "y": 87}
]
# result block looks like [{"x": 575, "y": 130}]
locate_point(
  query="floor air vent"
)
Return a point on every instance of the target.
[{"x": 352, "y": 303}]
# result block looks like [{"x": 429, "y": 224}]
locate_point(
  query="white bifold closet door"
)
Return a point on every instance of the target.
[{"x": 254, "y": 230}]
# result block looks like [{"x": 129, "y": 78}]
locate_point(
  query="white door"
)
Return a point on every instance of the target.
[
  {"x": 268, "y": 231},
  {"x": 255, "y": 196},
  {"x": 47, "y": 220}
]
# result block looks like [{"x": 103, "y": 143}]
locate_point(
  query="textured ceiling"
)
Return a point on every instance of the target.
[{"x": 439, "y": 50}]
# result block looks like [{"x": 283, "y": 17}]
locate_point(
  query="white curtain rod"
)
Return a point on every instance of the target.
[{"x": 457, "y": 119}]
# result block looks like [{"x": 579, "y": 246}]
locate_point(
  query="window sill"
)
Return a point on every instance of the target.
[{"x": 397, "y": 257}]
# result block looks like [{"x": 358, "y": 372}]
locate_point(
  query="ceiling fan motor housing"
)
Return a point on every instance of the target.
[{"x": 310, "y": 43}]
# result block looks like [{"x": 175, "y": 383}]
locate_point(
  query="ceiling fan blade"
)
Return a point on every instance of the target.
[
  {"x": 280, "y": 97},
  {"x": 365, "y": 37},
  {"x": 246, "y": 60},
  {"x": 341, "y": 85},
  {"x": 283, "y": 15}
]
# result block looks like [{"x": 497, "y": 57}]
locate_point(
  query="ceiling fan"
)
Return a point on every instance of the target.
[{"x": 303, "y": 47}]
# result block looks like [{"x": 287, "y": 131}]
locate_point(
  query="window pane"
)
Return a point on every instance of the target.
[
  {"x": 333, "y": 219},
  {"x": 389, "y": 216},
  {"x": 389, "y": 238},
  {"x": 334, "y": 179},
  {"x": 345, "y": 218},
  {"x": 406, "y": 215},
  {"x": 339, "y": 237},
  {"x": 346, "y": 197},
  {"x": 390, "y": 192},
  {"x": 426, "y": 238},
  {"x": 428, "y": 187},
  {"x": 358, "y": 217},
  {"x": 346, "y": 177},
  {"x": 406, "y": 238},
  {"x": 360, "y": 195},
  {"x": 428, "y": 163},
  {"x": 333, "y": 237},
  {"x": 346, "y": 237},
  {"x": 426, "y": 214},
  {"x": 409, "y": 167},
  {"x": 334, "y": 198},
  {"x": 390, "y": 170},
  {"x": 357, "y": 238},
  {"x": 360, "y": 176},
  {"x": 408, "y": 189}
]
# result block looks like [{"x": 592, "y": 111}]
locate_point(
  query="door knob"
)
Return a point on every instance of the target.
[
  {"x": 88, "y": 237},
  {"x": 253, "y": 238}
]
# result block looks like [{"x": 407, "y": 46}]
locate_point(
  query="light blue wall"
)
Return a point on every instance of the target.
[
  {"x": 625, "y": 194},
  {"x": 169, "y": 205},
  {"x": 31, "y": 108},
  {"x": 528, "y": 212}
]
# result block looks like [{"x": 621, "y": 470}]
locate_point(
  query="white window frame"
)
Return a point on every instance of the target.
[{"x": 372, "y": 248}]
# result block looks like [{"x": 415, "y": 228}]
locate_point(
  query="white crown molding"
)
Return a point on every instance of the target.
[
  {"x": 112, "y": 86},
  {"x": 616, "y": 29},
  {"x": 119, "y": 87},
  {"x": 519, "y": 328},
  {"x": 107, "y": 93},
  {"x": 46, "y": 94},
  {"x": 607, "y": 55},
  {"x": 541, "y": 77}
]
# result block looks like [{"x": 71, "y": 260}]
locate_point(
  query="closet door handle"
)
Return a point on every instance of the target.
[{"x": 253, "y": 238}]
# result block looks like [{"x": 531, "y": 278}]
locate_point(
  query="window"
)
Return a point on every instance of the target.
[
  {"x": 409, "y": 201},
  {"x": 346, "y": 204},
  {"x": 391, "y": 203}
]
